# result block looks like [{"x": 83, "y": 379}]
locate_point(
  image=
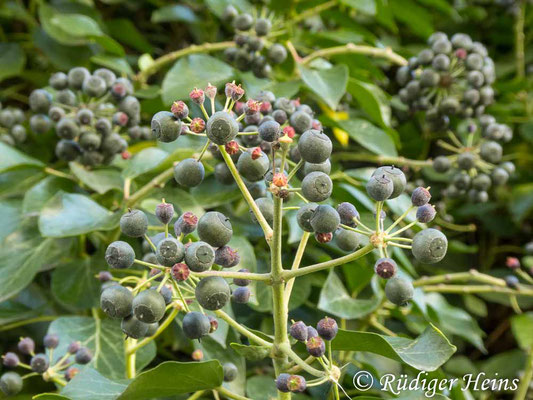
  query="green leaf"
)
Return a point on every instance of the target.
[
  {"x": 335, "y": 300},
  {"x": 171, "y": 378},
  {"x": 251, "y": 352},
  {"x": 70, "y": 214},
  {"x": 427, "y": 352},
  {"x": 50, "y": 396},
  {"x": 372, "y": 100},
  {"x": 522, "y": 326},
  {"x": 117, "y": 64},
  {"x": 100, "y": 180},
  {"x": 105, "y": 340},
  {"x": 38, "y": 195},
  {"x": 521, "y": 203},
  {"x": 12, "y": 60},
  {"x": 174, "y": 13},
  {"x": 144, "y": 161},
  {"x": 327, "y": 84},
  {"x": 193, "y": 71},
  {"x": 416, "y": 18},
  {"x": 77, "y": 25},
  {"x": 11, "y": 218},
  {"x": 126, "y": 32},
  {"x": 211, "y": 193},
  {"x": 12, "y": 159},
  {"x": 369, "y": 136},
  {"x": 89, "y": 384},
  {"x": 365, "y": 6}
]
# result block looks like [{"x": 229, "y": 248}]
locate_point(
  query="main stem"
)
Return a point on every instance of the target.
[
  {"x": 351, "y": 48},
  {"x": 280, "y": 309}
]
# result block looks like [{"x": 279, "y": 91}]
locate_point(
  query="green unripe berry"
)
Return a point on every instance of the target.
[
  {"x": 40, "y": 123},
  {"x": 67, "y": 150},
  {"x": 397, "y": 177},
  {"x": 134, "y": 328},
  {"x": 491, "y": 151},
  {"x": 134, "y": 223},
  {"x": 266, "y": 206},
  {"x": 277, "y": 53},
  {"x": 189, "y": 172},
  {"x": 199, "y": 256},
  {"x": 481, "y": 182},
  {"x": 116, "y": 301},
  {"x": 91, "y": 158},
  {"x": 429, "y": 246},
  {"x": 466, "y": 161},
  {"x": 18, "y": 132},
  {"x": 461, "y": 181},
  {"x": 499, "y": 176},
  {"x": 196, "y": 325},
  {"x": 441, "y": 164},
  {"x": 10, "y": 383},
  {"x": 347, "y": 240},
  {"x": 251, "y": 169},
  {"x": 67, "y": 128},
  {"x": 119, "y": 254},
  {"x": 399, "y": 291},
  {"x": 230, "y": 372},
  {"x": 315, "y": 146},
  {"x": 304, "y": 214},
  {"x": 325, "y": 219},
  {"x": 94, "y": 86},
  {"x": 76, "y": 77},
  {"x": 58, "y": 80},
  {"x": 149, "y": 306},
  {"x": 90, "y": 141},
  {"x": 429, "y": 78},
  {"x": 169, "y": 252},
  {"x": 324, "y": 167},
  {"x": 243, "y": 22},
  {"x": 215, "y": 229},
  {"x": 165, "y": 126},
  {"x": 301, "y": 121},
  {"x": 221, "y": 128},
  {"x": 262, "y": 26},
  {"x": 317, "y": 186},
  {"x": 40, "y": 101},
  {"x": 212, "y": 293},
  {"x": 379, "y": 187},
  {"x": 152, "y": 329},
  {"x": 113, "y": 144},
  {"x": 107, "y": 75}
]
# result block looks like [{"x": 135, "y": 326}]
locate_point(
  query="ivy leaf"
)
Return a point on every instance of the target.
[
  {"x": 38, "y": 195},
  {"x": 328, "y": 84},
  {"x": 100, "y": 180},
  {"x": 89, "y": 384},
  {"x": 144, "y": 161},
  {"x": 522, "y": 326},
  {"x": 372, "y": 100},
  {"x": 426, "y": 353},
  {"x": 193, "y": 71},
  {"x": 251, "y": 352},
  {"x": 335, "y": 300},
  {"x": 13, "y": 159},
  {"x": 174, "y": 13},
  {"x": 105, "y": 340},
  {"x": 71, "y": 214},
  {"x": 171, "y": 378},
  {"x": 12, "y": 60},
  {"x": 211, "y": 193},
  {"x": 369, "y": 136}
]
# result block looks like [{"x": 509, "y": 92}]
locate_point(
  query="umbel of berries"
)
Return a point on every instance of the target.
[
  {"x": 89, "y": 113},
  {"x": 452, "y": 77},
  {"x": 12, "y": 130},
  {"x": 253, "y": 49}
]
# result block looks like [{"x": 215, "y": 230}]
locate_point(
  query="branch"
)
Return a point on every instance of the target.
[
  {"x": 351, "y": 48},
  {"x": 472, "y": 275},
  {"x": 328, "y": 264},
  {"x": 314, "y": 10},
  {"x": 160, "y": 62},
  {"x": 241, "y": 329},
  {"x": 234, "y": 274},
  {"x": 466, "y": 289}
]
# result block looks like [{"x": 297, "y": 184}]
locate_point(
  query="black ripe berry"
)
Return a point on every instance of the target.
[
  {"x": 282, "y": 383},
  {"x": 298, "y": 331},
  {"x": 226, "y": 257},
  {"x": 230, "y": 371},
  {"x": 311, "y": 332},
  {"x": 51, "y": 341},
  {"x": 196, "y": 325},
  {"x": 399, "y": 291},
  {"x": 425, "y": 213},
  {"x": 212, "y": 293},
  {"x": 348, "y": 214},
  {"x": 83, "y": 356},
  {"x": 242, "y": 281},
  {"x": 116, "y": 301},
  {"x": 385, "y": 268},
  {"x": 39, "y": 363},
  {"x": 241, "y": 295},
  {"x": 149, "y": 306},
  {"x": 10, "y": 360},
  {"x": 327, "y": 328},
  {"x": 164, "y": 212},
  {"x": 134, "y": 328},
  {"x": 316, "y": 346},
  {"x": 26, "y": 345},
  {"x": 134, "y": 223},
  {"x": 119, "y": 254}
]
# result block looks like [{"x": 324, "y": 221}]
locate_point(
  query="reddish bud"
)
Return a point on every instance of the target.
[
  {"x": 180, "y": 272},
  {"x": 323, "y": 237},
  {"x": 197, "y": 95},
  {"x": 197, "y": 125},
  {"x": 126, "y": 155},
  {"x": 252, "y": 107},
  {"x": 296, "y": 102},
  {"x": 211, "y": 91},
  {"x": 512, "y": 263},
  {"x": 120, "y": 118},
  {"x": 266, "y": 107},
  {"x": 279, "y": 179},
  {"x": 317, "y": 125},
  {"x": 119, "y": 90},
  {"x": 256, "y": 153},
  {"x": 232, "y": 147},
  {"x": 235, "y": 92},
  {"x": 70, "y": 373},
  {"x": 289, "y": 131},
  {"x": 460, "y": 53},
  {"x": 214, "y": 324},
  {"x": 239, "y": 107},
  {"x": 197, "y": 355},
  {"x": 179, "y": 109}
]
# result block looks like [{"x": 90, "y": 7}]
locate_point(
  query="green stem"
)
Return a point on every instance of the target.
[
  {"x": 234, "y": 274},
  {"x": 246, "y": 194},
  {"x": 130, "y": 358},
  {"x": 351, "y": 48},
  {"x": 286, "y": 348},
  {"x": 28, "y": 321},
  {"x": 241, "y": 329},
  {"x": 230, "y": 395},
  {"x": 467, "y": 289},
  {"x": 525, "y": 381},
  {"x": 400, "y": 219},
  {"x": 455, "y": 227},
  {"x": 55, "y": 172},
  {"x": 156, "y": 181},
  {"x": 329, "y": 264},
  {"x": 519, "y": 40},
  {"x": 472, "y": 275},
  {"x": 296, "y": 264},
  {"x": 379, "y": 159},
  {"x": 162, "y": 61}
]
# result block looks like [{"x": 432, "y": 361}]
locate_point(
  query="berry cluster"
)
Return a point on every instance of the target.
[
  {"x": 172, "y": 281},
  {"x": 476, "y": 164},
  {"x": 58, "y": 369},
  {"x": 88, "y": 113},
  {"x": 12, "y": 132},
  {"x": 452, "y": 78},
  {"x": 253, "y": 49}
]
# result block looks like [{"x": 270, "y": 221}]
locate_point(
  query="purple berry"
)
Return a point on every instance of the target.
[
  {"x": 385, "y": 268},
  {"x": 164, "y": 212},
  {"x": 51, "y": 341},
  {"x": 420, "y": 196},
  {"x": 26, "y": 345},
  {"x": 316, "y": 346},
  {"x": 298, "y": 331},
  {"x": 11, "y": 360},
  {"x": 327, "y": 328}
]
